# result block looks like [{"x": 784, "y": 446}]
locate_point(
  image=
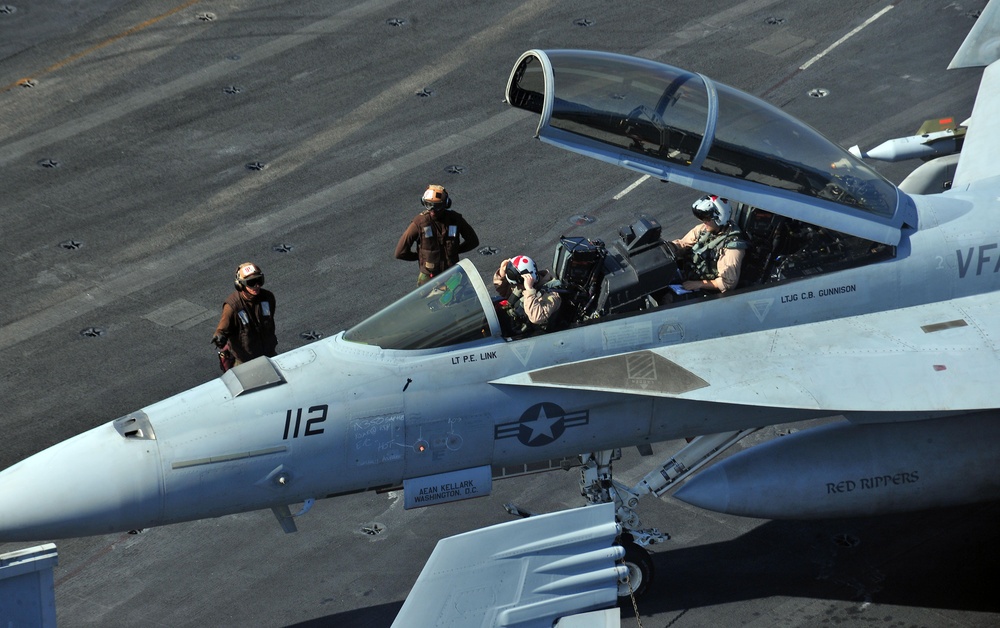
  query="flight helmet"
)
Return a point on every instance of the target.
[
  {"x": 714, "y": 208},
  {"x": 248, "y": 274},
  {"x": 436, "y": 197},
  {"x": 521, "y": 265}
]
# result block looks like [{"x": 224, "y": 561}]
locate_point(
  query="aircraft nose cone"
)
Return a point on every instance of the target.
[{"x": 98, "y": 482}]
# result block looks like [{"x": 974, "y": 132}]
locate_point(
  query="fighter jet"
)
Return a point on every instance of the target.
[{"x": 856, "y": 299}]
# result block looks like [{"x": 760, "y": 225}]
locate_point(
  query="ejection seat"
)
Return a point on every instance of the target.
[
  {"x": 764, "y": 234},
  {"x": 578, "y": 268}
]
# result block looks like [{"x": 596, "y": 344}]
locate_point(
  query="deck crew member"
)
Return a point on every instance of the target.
[
  {"x": 246, "y": 328},
  {"x": 439, "y": 233}
]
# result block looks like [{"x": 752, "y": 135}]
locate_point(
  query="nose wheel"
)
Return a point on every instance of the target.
[{"x": 640, "y": 572}]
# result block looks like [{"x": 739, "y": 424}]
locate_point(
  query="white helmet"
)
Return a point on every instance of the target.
[
  {"x": 521, "y": 265},
  {"x": 714, "y": 208}
]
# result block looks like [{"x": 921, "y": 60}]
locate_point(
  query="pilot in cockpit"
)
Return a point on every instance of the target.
[
  {"x": 529, "y": 303},
  {"x": 711, "y": 253}
]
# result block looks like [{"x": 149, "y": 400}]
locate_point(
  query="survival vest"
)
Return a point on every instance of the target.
[
  {"x": 437, "y": 248},
  {"x": 255, "y": 320},
  {"x": 519, "y": 322},
  {"x": 707, "y": 249}
]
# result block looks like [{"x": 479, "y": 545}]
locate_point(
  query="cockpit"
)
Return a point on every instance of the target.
[
  {"x": 596, "y": 281},
  {"x": 806, "y": 206},
  {"x": 452, "y": 308}
]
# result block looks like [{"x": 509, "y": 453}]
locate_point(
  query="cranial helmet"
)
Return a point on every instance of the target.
[
  {"x": 521, "y": 265},
  {"x": 248, "y": 273},
  {"x": 436, "y": 197},
  {"x": 712, "y": 207}
]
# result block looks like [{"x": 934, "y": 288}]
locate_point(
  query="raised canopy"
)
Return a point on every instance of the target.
[{"x": 683, "y": 127}]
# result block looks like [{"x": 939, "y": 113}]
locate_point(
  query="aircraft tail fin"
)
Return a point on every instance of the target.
[
  {"x": 981, "y": 48},
  {"x": 978, "y": 160},
  {"x": 982, "y": 45}
]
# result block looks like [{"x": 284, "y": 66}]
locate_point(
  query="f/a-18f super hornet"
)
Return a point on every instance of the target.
[{"x": 855, "y": 299}]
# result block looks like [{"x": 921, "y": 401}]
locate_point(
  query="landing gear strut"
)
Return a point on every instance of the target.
[{"x": 599, "y": 487}]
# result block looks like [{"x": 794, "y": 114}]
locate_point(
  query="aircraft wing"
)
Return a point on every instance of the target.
[
  {"x": 556, "y": 569},
  {"x": 937, "y": 356}
]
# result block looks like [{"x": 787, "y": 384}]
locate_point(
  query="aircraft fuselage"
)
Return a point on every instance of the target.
[{"x": 350, "y": 417}]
